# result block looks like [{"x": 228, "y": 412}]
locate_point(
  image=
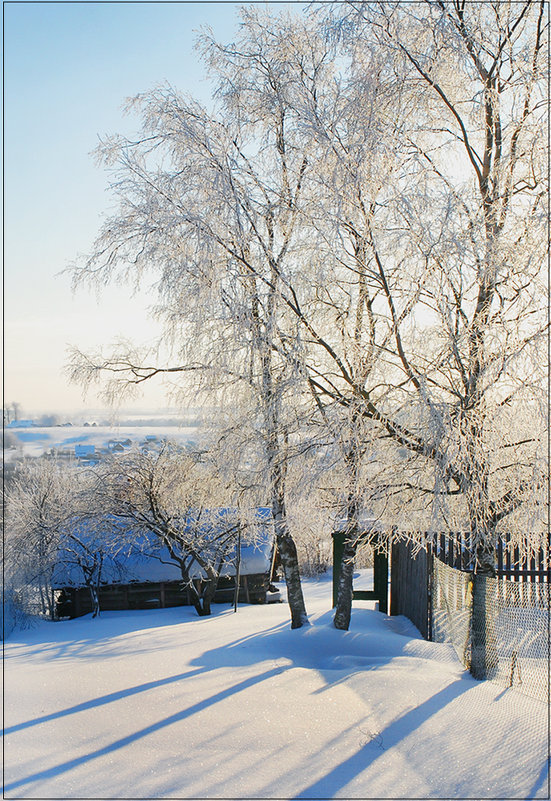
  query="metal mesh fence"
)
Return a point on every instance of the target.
[
  {"x": 505, "y": 632},
  {"x": 451, "y": 609}
]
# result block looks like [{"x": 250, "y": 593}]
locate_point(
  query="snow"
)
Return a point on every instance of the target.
[
  {"x": 37, "y": 440},
  {"x": 145, "y": 560},
  {"x": 163, "y": 704}
]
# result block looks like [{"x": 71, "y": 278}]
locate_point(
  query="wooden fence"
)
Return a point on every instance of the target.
[
  {"x": 517, "y": 559},
  {"x": 410, "y": 575},
  {"x": 517, "y": 562}
]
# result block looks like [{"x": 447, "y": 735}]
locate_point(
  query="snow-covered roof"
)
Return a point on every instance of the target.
[
  {"x": 142, "y": 559},
  {"x": 365, "y": 522},
  {"x": 84, "y": 450}
]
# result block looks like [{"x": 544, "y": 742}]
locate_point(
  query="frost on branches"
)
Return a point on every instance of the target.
[{"x": 349, "y": 251}]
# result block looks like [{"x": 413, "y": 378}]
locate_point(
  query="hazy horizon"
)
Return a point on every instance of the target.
[{"x": 105, "y": 412}]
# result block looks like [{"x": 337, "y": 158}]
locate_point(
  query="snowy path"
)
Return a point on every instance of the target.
[{"x": 162, "y": 704}]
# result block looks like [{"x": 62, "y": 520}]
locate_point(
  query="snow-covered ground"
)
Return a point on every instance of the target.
[{"x": 163, "y": 704}]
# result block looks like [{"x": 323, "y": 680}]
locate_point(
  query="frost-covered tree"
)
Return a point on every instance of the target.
[
  {"x": 465, "y": 221},
  {"x": 88, "y": 542},
  {"x": 210, "y": 203},
  {"x": 38, "y": 503},
  {"x": 52, "y": 525},
  {"x": 174, "y": 500},
  {"x": 456, "y": 243},
  {"x": 361, "y": 219}
]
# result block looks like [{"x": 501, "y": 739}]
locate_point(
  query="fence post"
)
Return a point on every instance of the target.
[
  {"x": 380, "y": 579},
  {"x": 430, "y": 589}
]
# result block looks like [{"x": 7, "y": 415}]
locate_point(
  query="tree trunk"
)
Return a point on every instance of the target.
[
  {"x": 289, "y": 561},
  {"x": 196, "y": 597},
  {"x": 352, "y": 460},
  {"x": 207, "y": 596},
  {"x": 43, "y": 595},
  {"x": 237, "y": 570},
  {"x": 95, "y": 600},
  {"x": 285, "y": 542},
  {"x": 484, "y": 655},
  {"x": 484, "y": 658},
  {"x": 202, "y": 593},
  {"x": 343, "y": 608}
]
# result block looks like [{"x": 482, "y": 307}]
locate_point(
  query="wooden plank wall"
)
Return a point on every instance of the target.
[{"x": 410, "y": 585}]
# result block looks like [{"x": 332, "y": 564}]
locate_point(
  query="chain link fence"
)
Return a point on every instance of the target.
[
  {"x": 508, "y": 633},
  {"x": 450, "y": 611}
]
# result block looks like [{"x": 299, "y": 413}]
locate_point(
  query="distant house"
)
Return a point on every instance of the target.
[
  {"x": 151, "y": 443},
  {"x": 143, "y": 575},
  {"x": 21, "y": 424},
  {"x": 118, "y": 445}
]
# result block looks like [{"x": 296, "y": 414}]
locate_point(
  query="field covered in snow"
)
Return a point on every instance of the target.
[
  {"x": 163, "y": 704},
  {"x": 36, "y": 440}
]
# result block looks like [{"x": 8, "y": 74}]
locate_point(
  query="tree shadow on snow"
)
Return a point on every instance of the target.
[
  {"x": 71, "y": 764},
  {"x": 288, "y": 649},
  {"x": 101, "y": 701},
  {"x": 334, "y": 781},
  {"x": 74, "y": 637}
]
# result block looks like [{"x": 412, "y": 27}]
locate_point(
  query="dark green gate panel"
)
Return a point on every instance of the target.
[{"x": 380, "y": 575}]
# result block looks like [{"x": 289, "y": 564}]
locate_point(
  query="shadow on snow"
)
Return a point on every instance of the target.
[
  {"x": 299, "y": 647},
  {"x": 70, "y": 764}
]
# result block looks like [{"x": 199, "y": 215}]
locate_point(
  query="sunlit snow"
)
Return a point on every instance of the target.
[{"x": 163, "y": 704}]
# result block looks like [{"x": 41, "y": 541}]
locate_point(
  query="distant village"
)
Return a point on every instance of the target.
[
  {"x": 92, "y": 455},
  {"x": 87, "y": 442}
]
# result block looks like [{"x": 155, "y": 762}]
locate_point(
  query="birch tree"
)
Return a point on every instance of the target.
[
  {"x": 211, "y": 202},
  {"x": 367, "y": 222},
  {"x": 428, "y": 315},
  {"x": 471, "y": 212},
  {"x": 465, "y": 219}
]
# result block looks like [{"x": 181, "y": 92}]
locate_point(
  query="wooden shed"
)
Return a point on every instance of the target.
[{"x": 143, "y": 576}]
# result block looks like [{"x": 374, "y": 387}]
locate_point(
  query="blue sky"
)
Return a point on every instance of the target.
[{"x": 68, "y": 68}]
